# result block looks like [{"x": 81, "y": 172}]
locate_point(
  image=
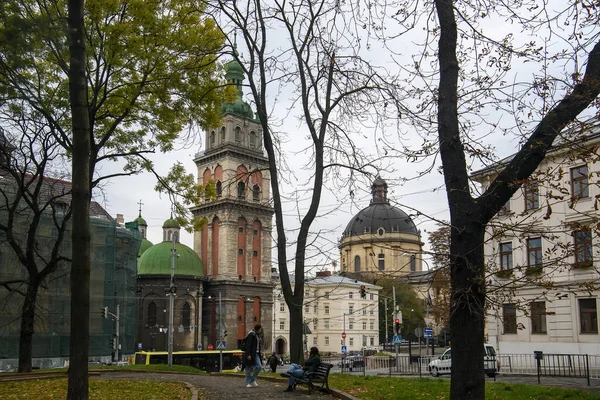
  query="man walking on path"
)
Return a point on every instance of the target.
[{"x": 252, "y": 354}]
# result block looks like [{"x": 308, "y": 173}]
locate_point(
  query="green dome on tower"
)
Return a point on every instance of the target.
[
  {"x": 171, "y": 223},
  {"x": 157, "y": 261},
  {"x": 140, "y": 221},
  {"x": 234, "y": 74}
]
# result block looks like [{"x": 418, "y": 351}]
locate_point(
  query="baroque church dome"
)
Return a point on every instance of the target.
[{"x": 380, "y": 217}]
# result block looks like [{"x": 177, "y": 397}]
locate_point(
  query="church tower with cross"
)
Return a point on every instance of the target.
[{"x": 235, "y": 243}]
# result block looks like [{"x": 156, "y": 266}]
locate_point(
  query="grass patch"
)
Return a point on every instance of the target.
[
  {"x": 384, "y": 388},
  {"x": 99, "y": 390}
]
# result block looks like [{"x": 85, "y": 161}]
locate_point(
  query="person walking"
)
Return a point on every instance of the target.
[
  {"x": 296, "y": 370},
  {"x": 273, "y": 361},
  {"x": 252, "y": 355}
]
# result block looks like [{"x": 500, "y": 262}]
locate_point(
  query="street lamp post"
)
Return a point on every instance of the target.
[{"x": 171, "y": 301}]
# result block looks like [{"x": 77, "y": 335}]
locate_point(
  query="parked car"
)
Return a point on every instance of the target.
[
  {"x": 352, "y": 362},
  {"x": 442, "y": 365}
]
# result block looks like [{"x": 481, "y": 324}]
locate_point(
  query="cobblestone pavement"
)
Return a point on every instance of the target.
[{"x": 218, "y": 387}]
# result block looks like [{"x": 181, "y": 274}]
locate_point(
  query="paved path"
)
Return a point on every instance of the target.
[{"x": 219, "y": 387}]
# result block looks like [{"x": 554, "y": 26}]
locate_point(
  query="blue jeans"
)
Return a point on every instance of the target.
[
  {"x": 252, "y": 370},
  {"x": 295, "y": 371}
]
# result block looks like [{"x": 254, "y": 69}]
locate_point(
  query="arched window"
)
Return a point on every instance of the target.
[
  {"x": 256, "y": 193},
  {"x": 186, "y": 312},
  {"x": 223, "y": 135},
  {"x": 241, "y": 188},
  {"x": 413, "y": 263},
  {"x": 152, "y": 314},
  {"x": 381, "y": 262},
  {"x": 219, "y": 188},
  {"x": 238, "y": 134},
  {"x": 212, "y": 139},
  {"x": 357, "y": 264},
  {"x": 252, "y": 139}
]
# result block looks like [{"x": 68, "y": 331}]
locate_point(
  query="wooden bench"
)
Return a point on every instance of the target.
[{"x": 318, "y": 379}]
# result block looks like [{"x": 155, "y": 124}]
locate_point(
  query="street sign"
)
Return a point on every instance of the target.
[
  {"x": 344, "y": 349},
  {"x": 209, "y": 347},
  {"x": 343, "y": 335},
  {"x": 418, "y": 332},
  {"x": 220, "y": 345},
  {"x": 397, "y": 339},
  {"x": 139, "y": 345},
  {"x": 199, "y": 346},
  {"x": 428, "y": 332}
]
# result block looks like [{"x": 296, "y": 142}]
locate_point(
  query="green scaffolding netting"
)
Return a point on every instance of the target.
[{"x": 114, "y": 252}]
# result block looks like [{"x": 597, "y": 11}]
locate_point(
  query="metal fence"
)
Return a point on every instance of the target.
[{"x": 558, "y": 365}]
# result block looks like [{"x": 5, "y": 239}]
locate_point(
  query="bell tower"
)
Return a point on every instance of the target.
[{"x": 235, "y": 243}]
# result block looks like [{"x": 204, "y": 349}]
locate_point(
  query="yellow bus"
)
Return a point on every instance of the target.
[{"x": 206, "y": 360}]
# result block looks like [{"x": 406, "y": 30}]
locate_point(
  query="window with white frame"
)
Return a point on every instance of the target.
[
  {"x": 351, "y": 309},
  {"x": 282, "y": 324},
  {"x": 588, "y": 315},
  {"x": 506, "y": 256},
  {"x": 282, "y": 306},
  {"x": 351, "y": 324},
  {"x": 326, "y": 340},
  {"x": 350, "y": 295},
  {"x": 579, "y": 182},
  {"x": 326, "y": 323},
  {"x": 534, "y": 252},
  {"x": 583, "y": 246},
  {"x": 371, "y": 341},
  {"x": 326, "y": 309},
  {"x": 351, "y": 341},
  {"x": 531, "y": 195},
  {"x": 364, "y": 324},
  {"x": 307, "y": 308},
  {"x": 371, "y": 325}
]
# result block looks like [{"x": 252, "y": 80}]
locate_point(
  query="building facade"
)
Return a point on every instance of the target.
[
  {"x": 333, "y": 305},
  {"x": 542, "y": 256}
]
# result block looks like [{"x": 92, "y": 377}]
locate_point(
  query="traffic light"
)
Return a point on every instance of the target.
[
  {"x": 113, "y": 342},
  {"x": 104, "y": 312},
  {"x": 363, "y": 292},
  {"x": 397, "y": 326}
]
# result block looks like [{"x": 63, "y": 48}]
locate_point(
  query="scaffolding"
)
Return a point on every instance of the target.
[{"x": 113, "y": 275}]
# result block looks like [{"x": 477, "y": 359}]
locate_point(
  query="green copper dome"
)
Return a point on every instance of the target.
[
  {"x": 146, "y": 244},
  {"x": 140, "y": 221},
  {"x": 234, "y": 74},
  {"x": 171, "y": 223},
  {"x": 157, "y": 261}
]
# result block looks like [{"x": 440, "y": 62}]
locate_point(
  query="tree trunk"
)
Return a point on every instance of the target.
[
  {"x": 80, "y": 269},
  {"x": 27, "y": 326},
  {"x": 467, "y": 311},
  {"x": 296, "y": 334}
]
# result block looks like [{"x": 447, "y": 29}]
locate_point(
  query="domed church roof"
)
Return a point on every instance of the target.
[
  {"x": 156, "y": 260},
  {"x": 380, "y": 217}
]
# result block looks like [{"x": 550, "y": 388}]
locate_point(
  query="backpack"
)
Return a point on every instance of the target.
[{"x": 244, "y": 341}]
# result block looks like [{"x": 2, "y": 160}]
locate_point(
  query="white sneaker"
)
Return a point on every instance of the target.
[
  {"x": 254, "y": 384},
  {"x": 249, "y": 385}
]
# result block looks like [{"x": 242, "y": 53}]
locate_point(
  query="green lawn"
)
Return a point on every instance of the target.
[
  {"x": 99, "y": 390},
  {"x": 384, "y": 388}
]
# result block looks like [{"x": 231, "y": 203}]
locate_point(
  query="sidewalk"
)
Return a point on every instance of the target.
[{"x": 226, "y": 387}]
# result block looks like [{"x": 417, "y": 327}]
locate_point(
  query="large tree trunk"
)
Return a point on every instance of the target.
[
  {"x": 467, "y": 310},
  {"x": 296, "y": 334},
  {"x": 80, "y": 268},
  {"x": 27, "y": 325}
]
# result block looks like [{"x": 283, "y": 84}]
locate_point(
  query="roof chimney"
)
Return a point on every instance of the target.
[
  {"x": 323, "y": 274},
  {"x": 120, "y": 220}
]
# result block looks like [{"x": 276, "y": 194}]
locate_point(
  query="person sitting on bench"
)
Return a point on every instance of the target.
[{"x": 296, "y": 370}]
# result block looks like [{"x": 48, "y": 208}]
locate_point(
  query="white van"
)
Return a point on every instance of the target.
[{"x": 442, "y": 365}]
